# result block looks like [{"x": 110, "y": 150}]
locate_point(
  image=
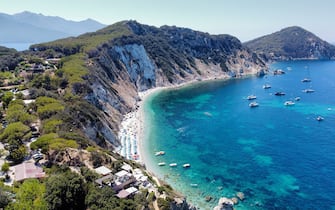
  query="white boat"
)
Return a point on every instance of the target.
[
  {"x": 266, "y": 86},
  {"x": 297, "y": 98},
  {"x": 173, "y": 164},
  {"x": 251, "y": 97},
  {"x": 159, "y": 153},
  {"x": 306, "y": 80},
  {"x": 161, "y": 164},
  {"x": 308, "y": 90},
  {"x": 289, "y": 103},
  {"x": 253, "y": 104},
  {"x": 319, "y": 118},
  {"x": 187, "y": 165},
  {"x": 278, "y": 72},
  {"x": 279, "y": 93}
]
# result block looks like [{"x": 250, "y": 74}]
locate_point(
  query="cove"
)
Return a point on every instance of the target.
[{"x": 279, "y": 156}]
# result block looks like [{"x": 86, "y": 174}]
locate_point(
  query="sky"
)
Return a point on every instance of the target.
[{"x": 245, "y": 19}]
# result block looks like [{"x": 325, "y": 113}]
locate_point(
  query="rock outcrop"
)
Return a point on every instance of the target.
[
  {"x": 181, "y": 204},
  {"x": 224, "y": 204}
]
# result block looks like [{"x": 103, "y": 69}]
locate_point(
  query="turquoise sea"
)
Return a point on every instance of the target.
[{"x": 279, "y": 156}]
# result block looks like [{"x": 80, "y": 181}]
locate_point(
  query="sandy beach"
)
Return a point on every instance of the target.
[{"x": 132, "y": 133}]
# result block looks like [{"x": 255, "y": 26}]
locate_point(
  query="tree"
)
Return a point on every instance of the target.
[
  {"x": 7, "y": 98},
  {"x": 15, "y": 132},
  {"x": 65, "y": 191},
  {"x": 51, "y": 125},
  {"x": 17, "y": 112},
  {"x": 30, "y": 196},
  {"x": 5, "y": 167},
  {"x": 4, "y": 198},
  {"x": 46, "y": 107},
  {"x": 17, "y": 152}
]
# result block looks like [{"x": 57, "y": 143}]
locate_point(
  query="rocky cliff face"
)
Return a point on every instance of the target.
[
  {"x": 151, "y": 57},
  {"x": 292, "y": 43},
  {"x": 128, "y": 57}
]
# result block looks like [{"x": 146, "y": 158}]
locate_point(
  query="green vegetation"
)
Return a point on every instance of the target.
[
  {"x": 46, "y": 107},
  {"x": 51, "y": 125},
  {"x": 4, "y": 198},
  {"x": 7, "y": 98},
  {"x": 30, "y": 196},
  {"x": 15, "y": 132},
  {"x": 163, "y": 204},
  {"x": 52, "y": 141},
  {"x": 65, "y": 191},
  {"x": 85, "y": 42},
  {"x": 6, "y": 51},
  {"x": 17, "y": 112},
  {"x": 292, "y": 43},
  {"x": 9, "y": 58},
  {"x": 6, "y": 75},
  {"x": 5, "y": 167},
  {"x": 43, "y": 142},
  {"x": 74, "y": 68}
]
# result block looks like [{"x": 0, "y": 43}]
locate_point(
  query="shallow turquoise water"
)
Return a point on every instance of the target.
[{"x": 280, "y": 157}]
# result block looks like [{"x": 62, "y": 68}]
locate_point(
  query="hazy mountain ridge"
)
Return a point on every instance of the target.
[
  {"x": 292, "y": 43},
  {"x": 27, "y": 27}
]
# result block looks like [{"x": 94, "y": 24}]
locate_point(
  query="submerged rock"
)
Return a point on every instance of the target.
[
  {"x": 240, "y": 195},
  {"x": 225, "y": 204},
  {"x": 235, "y": 200},
  {"x": 208, "y": 198}
]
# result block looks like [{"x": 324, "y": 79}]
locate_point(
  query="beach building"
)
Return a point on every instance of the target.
[
  {"x": 122, "y": 180},
  {"x": 106, "y": 180},
  {"x": 142, "y": 179},
  {"x": 102, "y": 170},
  {"x": 28, "y": 170},
  {"x": 126, "y": 167},
  {"x": 127, "y": 192}
]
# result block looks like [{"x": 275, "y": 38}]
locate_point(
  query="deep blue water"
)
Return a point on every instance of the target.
[
  {"x": 17, "y": 46},
  {"x": 280, "y": 157}
]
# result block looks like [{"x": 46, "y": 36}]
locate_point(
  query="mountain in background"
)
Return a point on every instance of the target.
[
  {"x": 292, "y": 43},
  {"x": 27, "y": 27}
]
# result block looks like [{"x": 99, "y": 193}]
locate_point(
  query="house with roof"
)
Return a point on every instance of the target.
[
  {"x": 102, "y": 170},
  {"x": 127, "y": 192},
  {"x": 122, "y": 179},
  {"x": 28, "y": 170}
]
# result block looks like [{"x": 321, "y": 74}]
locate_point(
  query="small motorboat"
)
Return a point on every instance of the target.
[
  {"x": 160, "y": 153},
  {"x": 251, "y": 97},
  {"x": 279, "y": 93},
  {"x": 308, "y": 90},
  {"x": 266, "y": 86},
  {"x": 253, "y": 104},
  {"x": 297, "y": 98},
  {"x": 278, "y": 72},
  {"x": 193, "y": 185},
  {"x": 173, "y": 164},
  {"x": 306, "y": 80},
  {"x": 186, "y": 165},
  {"x": 289, "y": 103},
  {"x": 161, "y": 164},
  {"x": 319, "y": 118}
]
